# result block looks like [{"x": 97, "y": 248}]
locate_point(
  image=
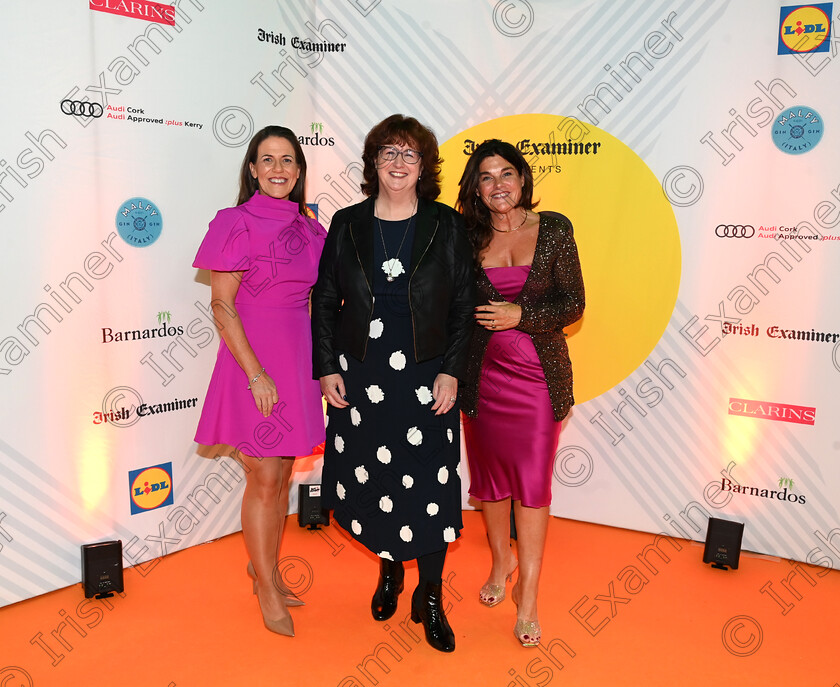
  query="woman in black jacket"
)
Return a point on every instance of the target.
[{"x": 391, "y": 321}]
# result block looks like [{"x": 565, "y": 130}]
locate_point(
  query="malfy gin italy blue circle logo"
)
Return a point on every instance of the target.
[
  {"x": 797, "y": 129},
  {"x": 139, "y": 222}
]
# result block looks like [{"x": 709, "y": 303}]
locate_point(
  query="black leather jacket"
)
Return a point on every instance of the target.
[{"x": 441, "y": 288}]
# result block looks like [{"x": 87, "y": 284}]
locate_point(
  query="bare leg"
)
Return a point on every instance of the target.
[
  {"x": 497, "y": 521},
  {"x": 531, "y": 527},
  {"x": 266, "y": 480}
]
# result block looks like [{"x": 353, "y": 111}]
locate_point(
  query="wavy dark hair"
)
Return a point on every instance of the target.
[
  {"x": 248, "y": 185},
  {"x": 476, "y": 215},
  {"x": 408, "y": 131}
]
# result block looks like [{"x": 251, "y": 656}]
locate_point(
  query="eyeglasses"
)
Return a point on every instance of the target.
[{"x": 409, "y": 156}]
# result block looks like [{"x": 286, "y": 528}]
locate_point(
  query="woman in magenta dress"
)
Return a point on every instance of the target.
[
  {"x": 519, "y": 378},
  {"x": 262, "y": 404}
]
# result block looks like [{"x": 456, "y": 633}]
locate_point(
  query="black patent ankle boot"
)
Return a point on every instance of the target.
[
  {"x": 384, "y": 602},
  {"x": 426, "y": 608}
]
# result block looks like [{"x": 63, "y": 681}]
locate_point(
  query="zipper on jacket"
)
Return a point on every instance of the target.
[
  {"x": 413, "y": 325},
  {"x": 372, "y": 299}
]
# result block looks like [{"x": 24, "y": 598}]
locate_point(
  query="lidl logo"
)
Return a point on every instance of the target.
[
  {"x": 150, "y": 488},
  {"x": 804, "y": 28}
]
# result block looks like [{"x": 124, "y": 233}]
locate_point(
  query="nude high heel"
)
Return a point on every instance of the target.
[
  {"x": 291, "y": 599},
  {"x": 281, "y": 626}
]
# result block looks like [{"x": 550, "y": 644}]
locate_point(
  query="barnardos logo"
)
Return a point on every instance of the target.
[
  {"x": 111, "y": 336},
  {"x": 783, "y": 495},
  {"x": 800, "y": 415},
  {"x": 137, "y": 9},
  {"x": 317, "y": 138}
]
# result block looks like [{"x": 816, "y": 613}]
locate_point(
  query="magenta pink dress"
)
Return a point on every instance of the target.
[
  {"x": 278, "y": 251},
  {"x": 512, "y": 440}
]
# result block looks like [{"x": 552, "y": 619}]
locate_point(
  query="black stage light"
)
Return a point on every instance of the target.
[
  {"x": 310, "y": 512},
  {"x": 723, "y": 543},
  {"x": 102, "y": 570}
]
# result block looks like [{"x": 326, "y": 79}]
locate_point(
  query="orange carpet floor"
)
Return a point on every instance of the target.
[{"x": 617, "y": 608}]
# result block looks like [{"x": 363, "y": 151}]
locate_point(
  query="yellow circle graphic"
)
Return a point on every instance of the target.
[
  {"x": 625, "y": 229},
  {"x": 151, "y": 488},
  {"x": 805, "y": 29}
]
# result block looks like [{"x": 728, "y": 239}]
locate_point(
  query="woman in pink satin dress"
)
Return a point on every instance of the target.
[
  {"x": 262, "y": 404},
  {"x": 519, "y": 378}
]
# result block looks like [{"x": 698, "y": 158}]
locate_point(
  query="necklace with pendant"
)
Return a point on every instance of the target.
[{"x": 393, "y": 267}]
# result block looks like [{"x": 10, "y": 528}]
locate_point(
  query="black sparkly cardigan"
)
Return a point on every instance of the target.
[{"x": 551, "y": 298}]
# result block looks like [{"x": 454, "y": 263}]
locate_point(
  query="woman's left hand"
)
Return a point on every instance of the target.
[
  {"x": 445, "y": 392},
  {"x": 498, "y": 316}
]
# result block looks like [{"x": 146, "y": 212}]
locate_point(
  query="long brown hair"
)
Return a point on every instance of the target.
[
  {"x": 406, "y": 130},
  {"x": 248, "y": 185},
  {"x": 476, "y": 215}
]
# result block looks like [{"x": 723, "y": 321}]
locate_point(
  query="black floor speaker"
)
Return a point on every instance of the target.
[
  {"x": 310, "y": 512},
  {"x": 102, "y": 570},
  {"x": 723, "y": 543}
]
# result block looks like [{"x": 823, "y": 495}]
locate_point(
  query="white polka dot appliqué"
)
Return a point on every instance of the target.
[
  {"x": 356, "y": 527},
  {"x": 424, "y": 395},
  {"x": 397, "y": 360},
  {"x": 355, "y": 417},
  {"x": 408, "y": 481},
  {"x": 385, "y": 504},
  {"x": 432, "y": 509},
  {"x": 340, "y": 490},
  {"x": 383, "y": 455},
  {"x": 406, "y": 534},
  {"x": 376, "y": 328},
  {"x": 443, "y": 475},
  {"x": 449, "y": 535},
  {"x": 375, "y": 394},
  {"x": 361, "y": 474},
  {"x": 339, "y": 443},
  {"x": 414, "y": 436},
  {"x": 449, "y": 435},
  {"x": 385, "y": 554},
  {"x": 342, "y": 361}
]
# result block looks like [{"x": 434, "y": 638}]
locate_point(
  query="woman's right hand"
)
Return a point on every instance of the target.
[
  {"x": 265, "y": 394},
  {"x": 332, "y": 387}
]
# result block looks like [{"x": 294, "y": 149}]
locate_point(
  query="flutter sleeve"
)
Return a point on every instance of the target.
[{"x": 226, "y": 246}]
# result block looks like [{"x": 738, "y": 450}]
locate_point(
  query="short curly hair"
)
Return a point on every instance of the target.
[{"x": 408, "y": 131}]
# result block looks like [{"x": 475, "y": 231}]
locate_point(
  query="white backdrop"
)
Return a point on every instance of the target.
[{"x": 689, "y": 93}]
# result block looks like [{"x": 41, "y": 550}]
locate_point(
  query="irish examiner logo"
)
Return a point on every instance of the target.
[{"x": 780, "y": 333}]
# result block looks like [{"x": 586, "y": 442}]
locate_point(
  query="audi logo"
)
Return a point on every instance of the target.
[
  {"x": 735, "y": 231},
  {"x": 83, "y": 108}
]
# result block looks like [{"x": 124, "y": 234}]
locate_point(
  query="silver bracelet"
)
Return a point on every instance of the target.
[{"x": 259, "y": 374}]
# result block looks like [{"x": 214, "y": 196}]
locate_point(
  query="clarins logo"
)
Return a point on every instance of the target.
[
  {"x": 767, "y": 410},
  {"x": 137, "y": 9}
]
